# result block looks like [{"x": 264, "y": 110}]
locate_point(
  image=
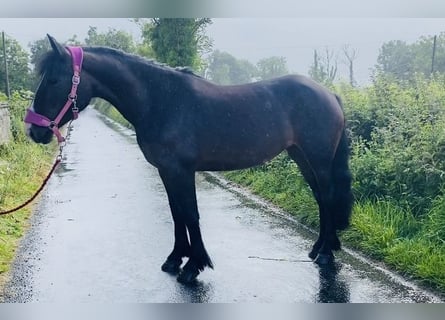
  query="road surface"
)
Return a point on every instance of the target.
[{"x": 103, "y": 228}]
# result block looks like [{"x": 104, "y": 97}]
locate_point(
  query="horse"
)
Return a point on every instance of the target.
[{"x": 185, "y": 124}]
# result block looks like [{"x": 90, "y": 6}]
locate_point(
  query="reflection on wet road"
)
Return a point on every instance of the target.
[{"x": 103, "y": 228}]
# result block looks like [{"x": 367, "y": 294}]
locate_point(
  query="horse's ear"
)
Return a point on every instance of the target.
[{"x": 57, "y": 47}]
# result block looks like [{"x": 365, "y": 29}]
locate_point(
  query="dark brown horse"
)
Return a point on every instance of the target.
[{"x": 185, "y": 124}]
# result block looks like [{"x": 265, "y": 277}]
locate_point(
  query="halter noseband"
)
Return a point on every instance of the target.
[{"x": 42, "y": 121}]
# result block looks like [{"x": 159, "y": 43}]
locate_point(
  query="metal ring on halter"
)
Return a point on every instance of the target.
[
  {"x": 76, "y": 79},
  {"x": 72, "y": 97},
  {"x": 75, "y": 109}
]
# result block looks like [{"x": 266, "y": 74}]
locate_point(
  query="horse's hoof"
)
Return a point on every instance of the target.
[
  {"x": 313, "y": 254},
  {"x": 172, "y": 266},
  {"x": 187, "y": 276},
  {"x": 323, "y": 259}
]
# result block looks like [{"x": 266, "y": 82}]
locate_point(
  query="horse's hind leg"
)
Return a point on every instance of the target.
[
  {"x": 300, "y": 159},
  {"x": 180, "y": 186},
  {"x": 318, "y": 175}
]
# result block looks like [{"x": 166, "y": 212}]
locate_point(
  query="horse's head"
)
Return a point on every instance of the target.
[{"x": 59, "y": 95}]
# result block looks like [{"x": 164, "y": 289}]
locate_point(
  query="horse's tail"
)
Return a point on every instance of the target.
[{"x": 342, "y": 180}]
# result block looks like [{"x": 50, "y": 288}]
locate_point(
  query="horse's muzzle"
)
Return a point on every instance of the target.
[{"x": 39, "y": 134}]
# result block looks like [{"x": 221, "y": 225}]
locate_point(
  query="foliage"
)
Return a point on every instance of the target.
[
  {"x": 350, "y": 54},
  {"x": 18, "y": 70},
  {"x": 396, "y": 126},
  {"x": 324, "y": 68},
  {"x": 402, "y": 155},
  {"x": 397, "y": 134},
  {"x": 223, "y": 68},
  {"x": 401, "y": 61},
  {"x": 38, "y": 49},
  {"x": 272, "y": 67},
  {"x": 111, "y": 112},
  {"x": 434, "y": 223},
  {"x": 117, "y": 39},
  {"x": 378, "y": 225},
  {"x": 281, "y": 182},
  {"x": 178, "y": 42},
  {"x": 23, "y": 165}
]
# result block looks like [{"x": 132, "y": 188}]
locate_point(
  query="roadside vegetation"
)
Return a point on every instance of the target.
[
  {"x": 397, "y": 134},
  {"x": 396, "y": 126},
  {"x": 23, "y": 166}
]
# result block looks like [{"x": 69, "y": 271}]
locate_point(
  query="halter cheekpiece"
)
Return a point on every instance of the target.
[{"x": 39, "y": 120}]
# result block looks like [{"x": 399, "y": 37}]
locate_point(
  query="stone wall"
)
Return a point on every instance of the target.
[{"x": 5, "y": 124}]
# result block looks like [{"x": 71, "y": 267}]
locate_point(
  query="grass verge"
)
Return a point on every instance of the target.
[
  {"x": 380, "y": 229},
  {"x": 23, "y": 167}
]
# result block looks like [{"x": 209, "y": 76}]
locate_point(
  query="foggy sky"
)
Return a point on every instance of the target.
[{"x": 256, "y": 38}]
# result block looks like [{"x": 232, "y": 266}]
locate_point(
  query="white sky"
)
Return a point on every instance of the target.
[{"x": 256, "y": 38}]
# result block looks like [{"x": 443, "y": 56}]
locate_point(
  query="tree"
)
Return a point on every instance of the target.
[
  {"x": 177, "y": 42},
  {"x": 223, "y": 68},
  {"x": 38, "y": 48},
  {"x": 402, "y": 61},
  {"x": 324, "y": 69},
  {"x": 117, "y": 39},
  {"x": 18, "y": 70},
  {"x": 73, "y": 41},
  {"x": 396, "y": 59},
  {"x": 272, "y": 67},
  {"x": 350, "y": 56}
]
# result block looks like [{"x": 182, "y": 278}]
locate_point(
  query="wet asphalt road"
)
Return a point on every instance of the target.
[{"x": 103, "y": 228}]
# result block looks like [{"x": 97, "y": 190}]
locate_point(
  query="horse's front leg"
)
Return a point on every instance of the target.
[
  {"x": 179, "y": 183},
  {"x": 181, "y": 248}
]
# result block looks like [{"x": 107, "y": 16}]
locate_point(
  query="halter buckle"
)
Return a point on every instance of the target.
[{"x": 76, "y": 79}]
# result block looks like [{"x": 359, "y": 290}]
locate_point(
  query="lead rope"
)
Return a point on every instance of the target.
[{"x": 54, "y": 167}]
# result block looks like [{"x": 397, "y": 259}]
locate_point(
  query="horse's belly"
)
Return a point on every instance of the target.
[{"x": 225, "y": 160}]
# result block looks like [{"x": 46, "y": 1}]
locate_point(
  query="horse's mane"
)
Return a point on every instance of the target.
[{"x": 49, "y": 57}]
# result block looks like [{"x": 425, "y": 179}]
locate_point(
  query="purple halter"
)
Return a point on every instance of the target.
[{"x": 42, "y": 121}]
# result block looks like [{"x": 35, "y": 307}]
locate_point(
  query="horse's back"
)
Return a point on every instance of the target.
[{"x": 245, "y": 125}]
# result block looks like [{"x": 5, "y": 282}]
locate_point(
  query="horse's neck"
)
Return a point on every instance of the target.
[{"x": 117, "y": 84}]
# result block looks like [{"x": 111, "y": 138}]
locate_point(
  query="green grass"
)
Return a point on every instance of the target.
[
  {"x": 377, "y": 226},
  {"x": 111, "y": 112},
  {"x": 23, "y": 167},
  {"x": 284, "y": 188},
  {"x": 382, "y": 229},
  {"x": 379, "y": 229}
]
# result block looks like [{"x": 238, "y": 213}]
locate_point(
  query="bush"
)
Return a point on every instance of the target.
[
  {"x": 403, "y": 158},
  {"x": 23, "y": 166},
  {"x": 397, "y": 135}
]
